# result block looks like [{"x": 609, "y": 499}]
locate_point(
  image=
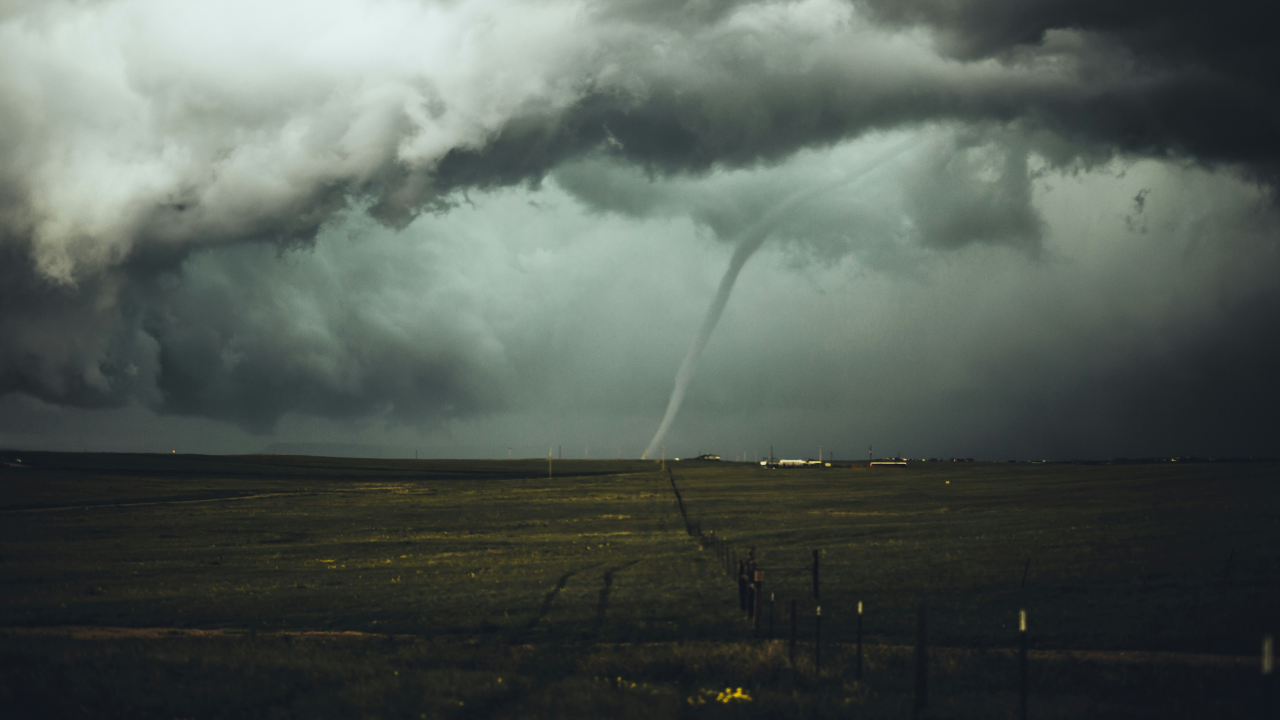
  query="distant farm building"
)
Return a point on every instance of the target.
[
  {"x": 708, "y": 456},
  {"x": 793, "y": 463},
  {"x": 889, "y": 463}
]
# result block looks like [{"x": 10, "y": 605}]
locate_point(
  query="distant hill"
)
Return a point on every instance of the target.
[{"x": 352, "y": 450}]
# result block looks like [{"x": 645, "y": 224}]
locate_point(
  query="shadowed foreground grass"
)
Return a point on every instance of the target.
[
  {"x": 298, "y": 675},
  {"x": 307, "y": 587}
]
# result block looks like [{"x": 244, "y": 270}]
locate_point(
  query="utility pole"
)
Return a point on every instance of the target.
[
  {"x": 548, "y": 462},
  {"x": 869, "y": 452},
  {"x": 508, "y": 452}
]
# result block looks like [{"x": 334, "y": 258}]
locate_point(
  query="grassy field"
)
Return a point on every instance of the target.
[
  {"x": 194, "y": 586},
  {"x": 1122, "y": 557}
]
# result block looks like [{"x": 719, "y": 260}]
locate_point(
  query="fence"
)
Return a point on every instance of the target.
[{"x": 751, "y": 579}]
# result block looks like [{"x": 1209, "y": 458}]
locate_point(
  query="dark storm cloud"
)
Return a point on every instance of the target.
[
  {"x": 1214, "y": 67},
  {"x": 957, "y": 186},
  {"x": 975, "y": 189},
  {"x": 1187, "y": 80},
  {"x": 244, "y": 340},
  {"x": 68, "y": 343},
  {"x": 1212, "y": 393},
  {"x": 136, "y": 138}
]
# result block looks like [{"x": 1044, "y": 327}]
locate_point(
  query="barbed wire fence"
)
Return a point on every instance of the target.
[{"x": 799, "y": 580}]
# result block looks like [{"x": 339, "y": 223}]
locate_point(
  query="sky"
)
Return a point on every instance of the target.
[{"x": 1000, "y": 229}]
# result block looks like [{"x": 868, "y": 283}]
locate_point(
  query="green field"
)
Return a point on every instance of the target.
[{"x": 265, "y": 586}]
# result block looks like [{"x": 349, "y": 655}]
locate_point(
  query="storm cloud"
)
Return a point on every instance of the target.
[{"x": 239, "y": 212}]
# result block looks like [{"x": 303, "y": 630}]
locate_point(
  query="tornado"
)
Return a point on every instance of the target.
[{"x": 747, "y": 243}]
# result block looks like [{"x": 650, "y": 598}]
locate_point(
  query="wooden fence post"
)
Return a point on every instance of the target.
[
  {"x": 772, "y": 599},
  {"x": 791, "y": 653},
  {"x": 758, "y": 593}
]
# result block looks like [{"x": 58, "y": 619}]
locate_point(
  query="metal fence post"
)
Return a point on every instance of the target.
[
  {"x": 1268, "y": 680},
  {"x": 858, "y": 673},
  {"x": 815, "y": 575},
  {"x": 817, "y": 642}
]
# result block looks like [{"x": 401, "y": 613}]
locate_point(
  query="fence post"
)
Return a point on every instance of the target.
[
  {"x": 815, "y": 575},
  {"x": 791, "y": 653},
  {"x": 858, "y": 674},
  {"x": 742, "y": 585},
  {"x": 771, "y": 613},
  {"x": 1022, "y": 664},
  {"x": 922, "y": 665},
  {"x": 817, "y": 642},
  {"x": 1268, "y": 682},
  {"x": 758, "y": 593}
]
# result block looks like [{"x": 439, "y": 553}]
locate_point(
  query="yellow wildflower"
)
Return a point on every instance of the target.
[{"x": 731, "y": 694}]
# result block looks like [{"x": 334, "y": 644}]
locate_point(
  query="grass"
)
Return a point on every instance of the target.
[
  {"x": 1122, "y": 557},
  {"x": 289, "y": 586}
]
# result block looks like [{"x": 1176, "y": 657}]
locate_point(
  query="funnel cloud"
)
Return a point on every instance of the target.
[{"x": 744, "y": 248}]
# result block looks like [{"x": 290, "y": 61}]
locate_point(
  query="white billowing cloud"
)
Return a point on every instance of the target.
[
  {"x": 203, "y": 122},
  {"x": 137, "y": 126}
]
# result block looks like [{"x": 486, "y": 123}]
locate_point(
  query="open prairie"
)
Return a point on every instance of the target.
[{"x": 263, "y": 586}]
